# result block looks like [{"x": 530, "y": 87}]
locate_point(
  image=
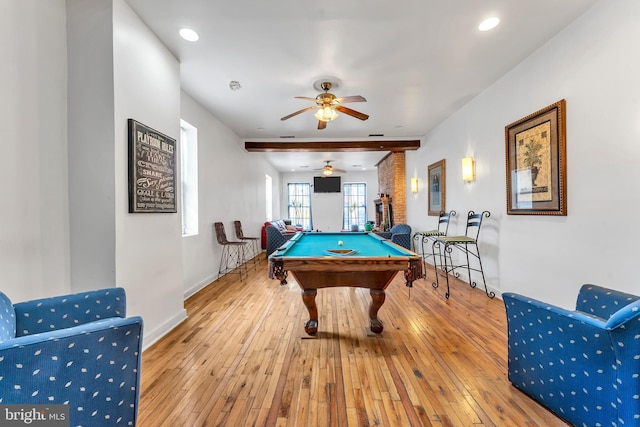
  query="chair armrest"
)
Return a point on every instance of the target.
[
  {"x": 384, "y": 234},
  {"x": 48, "y": 314},
  {"x": 602, "y": 302},
  {"x": 623, "y": 316},
  {"x": 514, "y": 301},
  {"x": 75, "y": 331}
]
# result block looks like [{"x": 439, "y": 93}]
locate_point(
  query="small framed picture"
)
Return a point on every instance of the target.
[{"x": 437, "y": 188}]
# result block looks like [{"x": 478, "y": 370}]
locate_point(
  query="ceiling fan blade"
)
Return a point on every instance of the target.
[
  {"x": 321, "y": 124},
  {"x": 356, "y": 98},
  {"x": 298, "y": 112},
  {"x": 305, "y": 97},
  {"x": 352, "y": 113}
]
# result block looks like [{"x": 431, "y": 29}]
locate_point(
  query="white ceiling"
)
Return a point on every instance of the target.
[{"x": 415, "y": 61}]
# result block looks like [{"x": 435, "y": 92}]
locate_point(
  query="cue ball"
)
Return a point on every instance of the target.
[{"x": 339, "y": 242}]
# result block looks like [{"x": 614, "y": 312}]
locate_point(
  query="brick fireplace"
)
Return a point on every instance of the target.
[{"x": 392, "y": 189}]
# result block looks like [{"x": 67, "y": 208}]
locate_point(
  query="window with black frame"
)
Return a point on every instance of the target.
[
  {"x": 299, "y": 204},
  {"x": 354, "y": 212}
]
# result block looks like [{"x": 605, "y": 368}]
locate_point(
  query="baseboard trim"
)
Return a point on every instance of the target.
[
  {"x": 200, "y": 286},
  {"x": 150, "y": 338}
]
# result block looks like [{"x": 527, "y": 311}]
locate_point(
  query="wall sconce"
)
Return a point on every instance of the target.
[
  {"x": 414, "y": 185},
  {"x": 468, "y": 172}
]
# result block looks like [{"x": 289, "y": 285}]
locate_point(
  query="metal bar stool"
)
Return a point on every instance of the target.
[
  {"x": 467, "y": 244},
  {"x": 424, "y": 237},
  {"x": 232, "y": 257},
  {"x": 252, "y": 242}
]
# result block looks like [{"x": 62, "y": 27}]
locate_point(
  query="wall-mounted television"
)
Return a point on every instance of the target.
[{"x": 326, "y": 184}]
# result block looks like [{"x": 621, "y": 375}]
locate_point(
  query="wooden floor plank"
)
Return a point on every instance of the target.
[{"x": 242, "y": 358}]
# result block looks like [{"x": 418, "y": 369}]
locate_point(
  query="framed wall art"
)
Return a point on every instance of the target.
[
  {"x": 437, "y": 188},
  {"x": 536, "y": 163},
  {"x": 152, "y": 170}
]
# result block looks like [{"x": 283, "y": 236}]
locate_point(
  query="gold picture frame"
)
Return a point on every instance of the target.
[
  {"x": 437, "y": 188},
  {"x": 536, "y": 163}
]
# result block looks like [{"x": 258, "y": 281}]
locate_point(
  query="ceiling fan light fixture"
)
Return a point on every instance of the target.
[
  {"x": 326, "y": 114},
  {"x": 327, "y": 171}
]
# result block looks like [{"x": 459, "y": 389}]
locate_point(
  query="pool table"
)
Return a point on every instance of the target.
[{"x": 327, "y": 260}]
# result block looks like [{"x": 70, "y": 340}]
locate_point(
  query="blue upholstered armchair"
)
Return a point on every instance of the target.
[
  {"x": 275, "y": 239},
  {"x": 77, "y": 350},
  {"x": 584, "y": 365},
  {"x": 399, "y": 234}
]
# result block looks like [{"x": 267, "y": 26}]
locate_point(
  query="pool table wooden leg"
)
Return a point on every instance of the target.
[
  {"x": 377, "y": 299},
  {"x": 309, "y": 300}
]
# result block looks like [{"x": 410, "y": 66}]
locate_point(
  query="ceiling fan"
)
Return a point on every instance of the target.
[
  {"x": 328, "y": 169},
  {"x": 328, "y": 104}
]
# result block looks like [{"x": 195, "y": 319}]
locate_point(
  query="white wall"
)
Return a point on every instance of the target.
[
  {"x": 34, "y": 220},
  {"x": 326, "y": 208},
  {"x": 148, "y": 245},
  {"x": 231, "y": 187},
  {"x": 594, "y": 64},
  {"x": 91, "y": 151}
]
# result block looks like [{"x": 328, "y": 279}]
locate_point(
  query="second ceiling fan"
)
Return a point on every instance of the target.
[
  {"x": 328, "y": 104},
  {"x": 328, "y": 169}
]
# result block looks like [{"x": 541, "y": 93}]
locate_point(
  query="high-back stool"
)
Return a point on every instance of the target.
[
  {"x": 232, "y": 257},
  {"x": 467, "y": 244},
  {"x": 424, "y": 237},
  {"x": 252, "y": 242}
]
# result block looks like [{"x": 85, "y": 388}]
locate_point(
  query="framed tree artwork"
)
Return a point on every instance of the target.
[
  {"x": 437, "y": 188},
  {"x": 536, "y": 163}
]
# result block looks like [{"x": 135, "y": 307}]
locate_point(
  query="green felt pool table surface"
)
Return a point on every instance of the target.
[{"x": 363, "y": 244}]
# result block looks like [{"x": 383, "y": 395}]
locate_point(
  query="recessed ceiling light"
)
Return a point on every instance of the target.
[
  {"x": 189, "y": 35},
  {"x": 489, "y": 23}
]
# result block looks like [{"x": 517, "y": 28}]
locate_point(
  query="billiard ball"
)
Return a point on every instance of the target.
[{"x": 340, "y": 243}]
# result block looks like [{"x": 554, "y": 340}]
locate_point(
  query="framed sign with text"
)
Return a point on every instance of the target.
[{"x": 152, "y": 170}]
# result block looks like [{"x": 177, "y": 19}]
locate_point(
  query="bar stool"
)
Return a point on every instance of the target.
[
  {"x": 252, "y": 242},
  {"x": 425, "y": 236},
  {"x": 467, "y": 244},
  {"x": 232, "y": 257}
]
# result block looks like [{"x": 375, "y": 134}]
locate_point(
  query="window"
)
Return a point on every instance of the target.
[
  {"x": 189, "y": 178},
  {"x": 299, "y": 204},
  {"x": 354, "y": 212},
  {"x": 268, "y": 187}
]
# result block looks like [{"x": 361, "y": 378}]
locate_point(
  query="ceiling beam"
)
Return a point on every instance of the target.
[{"x": 332, "y": 146}]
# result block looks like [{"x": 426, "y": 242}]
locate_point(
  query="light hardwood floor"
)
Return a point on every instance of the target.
[{"x": 242, "y": 358}]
